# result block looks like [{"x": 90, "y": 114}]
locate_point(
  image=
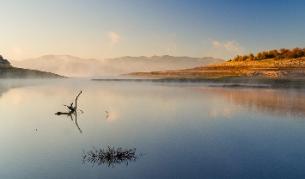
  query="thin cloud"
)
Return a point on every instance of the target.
[
  {"x": 114, "y": 38},
  {"x": 226, "y": 49},
  {"x": 230, "y": 46}
]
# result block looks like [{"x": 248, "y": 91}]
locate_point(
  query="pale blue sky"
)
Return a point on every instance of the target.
[{"x": 112, "y": 28}]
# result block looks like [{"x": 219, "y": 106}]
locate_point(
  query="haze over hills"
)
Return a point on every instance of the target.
[{"x": 78, "y": 67}]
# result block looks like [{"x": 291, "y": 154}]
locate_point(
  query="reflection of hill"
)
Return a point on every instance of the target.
[
  {"x": 279, "y": 102},
  {"x": 3, "y": 90},
  {"x": 6, "y": 85}
]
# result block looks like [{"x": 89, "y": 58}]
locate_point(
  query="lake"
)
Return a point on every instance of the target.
[{"x": 163, "y": 130}]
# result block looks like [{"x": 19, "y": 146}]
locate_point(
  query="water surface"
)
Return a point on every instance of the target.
[{"x": 179, "y": 130}]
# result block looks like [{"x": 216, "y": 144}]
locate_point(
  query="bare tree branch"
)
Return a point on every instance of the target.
[{"x": 76, "y": 99}]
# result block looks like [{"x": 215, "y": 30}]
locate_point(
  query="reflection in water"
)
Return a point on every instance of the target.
[
  {"x": 107, "y": 115},
  {"x": 274, "y": 101},
  {"x": 6, "y": 85},
  {"x": 72, "y": 111},
  {"x": 110, "y": 156},
  {"x": 73, "y": 118},
  {"x": 183, "y": 140}
]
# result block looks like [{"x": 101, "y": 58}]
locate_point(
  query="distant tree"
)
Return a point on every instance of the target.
[
  {"x": 273, "y": 54},
  {"x": 297, "y": 52},
  {"x": 251, "y": 57},
  {"x": 260, "y": 56}
]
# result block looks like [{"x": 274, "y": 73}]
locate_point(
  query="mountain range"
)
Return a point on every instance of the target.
[{"x": 72, "y": 66}]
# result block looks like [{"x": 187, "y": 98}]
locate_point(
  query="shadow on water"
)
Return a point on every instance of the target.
[
  {"x": 72, "y": 111},
  {"x": 110, "y": 156}
]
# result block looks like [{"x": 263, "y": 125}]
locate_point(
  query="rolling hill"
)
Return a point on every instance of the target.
[{"x": 9, "y": 71}]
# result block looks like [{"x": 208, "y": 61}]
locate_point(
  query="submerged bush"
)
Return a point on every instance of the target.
[{"x": 110, "y": 156}]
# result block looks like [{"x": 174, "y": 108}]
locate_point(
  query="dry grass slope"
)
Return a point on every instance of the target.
[{"x": 267, "y": 68}]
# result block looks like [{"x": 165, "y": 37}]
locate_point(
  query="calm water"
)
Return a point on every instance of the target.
[{"x": 178, "y": 130}]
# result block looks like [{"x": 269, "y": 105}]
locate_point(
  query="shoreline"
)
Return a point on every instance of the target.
[{"x": 221, "y": 82}]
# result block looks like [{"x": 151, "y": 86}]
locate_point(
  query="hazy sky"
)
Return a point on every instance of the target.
[{"x": 112, "y": 28}]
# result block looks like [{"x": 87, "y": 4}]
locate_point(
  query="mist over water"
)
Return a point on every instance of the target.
[{"x": 179, "y": 130}]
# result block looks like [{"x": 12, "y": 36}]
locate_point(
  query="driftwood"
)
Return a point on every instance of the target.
[
  {"x": 72, "y": 111},
  {"x": 72, "y": 108}
]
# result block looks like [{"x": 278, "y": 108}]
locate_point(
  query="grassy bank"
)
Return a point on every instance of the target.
[{"x": 268, "y": 68}]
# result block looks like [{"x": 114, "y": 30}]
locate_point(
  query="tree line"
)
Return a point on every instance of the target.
[{"x": 272, "y": 54}]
